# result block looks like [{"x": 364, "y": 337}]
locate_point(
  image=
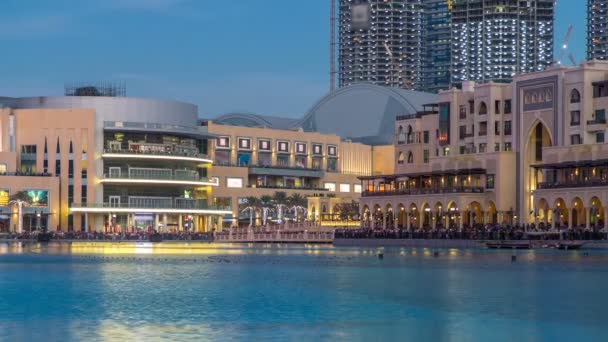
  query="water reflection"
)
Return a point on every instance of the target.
[{"x": 194, "y": 291}]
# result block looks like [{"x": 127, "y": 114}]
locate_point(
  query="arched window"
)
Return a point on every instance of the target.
[
  {"x": 410, "y": 158},
  {"x": 400, "y": 136},
  {"x": 410, "y": 135},
  {"x": 483, "y": 109},
  {"x": 401, "y": 158},
  {"x": 575, "y": 96}
]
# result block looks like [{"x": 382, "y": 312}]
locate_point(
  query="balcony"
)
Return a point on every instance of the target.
[
  {"x": 414, "y": 192},
  {"x": 159, "y": 176},
  {"x": 572, "y": 184},
  {"x": 285, "y": 171},
  {"x": 176, "y": 207},
  {"x": 26, "y": 174},
  {"x": 164, "y": 152},
  {"x": 283, "y": 187},
  {"x": 597, "y": 124}
]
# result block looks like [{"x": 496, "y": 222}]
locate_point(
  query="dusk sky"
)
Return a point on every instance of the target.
[{"x": 267, "y": 57}]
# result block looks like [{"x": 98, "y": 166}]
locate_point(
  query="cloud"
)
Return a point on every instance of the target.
[{"x": 33, "y": 26}]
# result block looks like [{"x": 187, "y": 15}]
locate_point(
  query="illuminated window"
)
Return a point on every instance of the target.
[
  {"x": 264, "y": 145},
  {"x": 357, "y": 188},
  {"x": 283, "y": 146},
  {"x": 222, "y": 142},
  {"x": 330, "y": 186},
  {"x": 244, "y": 143},
  {"x": 344, "y": 187},
  {"x": 234, "y": 182}
]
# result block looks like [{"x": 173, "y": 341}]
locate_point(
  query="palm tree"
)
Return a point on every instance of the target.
[
  {"x": 266, "y": 203},
  {"x": 251, "y": 205},
  {"x": 297, "y": 203},
  {"x": 20, "y": 199},
  {"x": 280, "y": 201}
]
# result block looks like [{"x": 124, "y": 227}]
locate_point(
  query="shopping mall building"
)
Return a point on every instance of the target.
[
  {"x": 98, "y": 161},
  {"x": 105, "y": 163},
  {"x": 529, "y": 151}
]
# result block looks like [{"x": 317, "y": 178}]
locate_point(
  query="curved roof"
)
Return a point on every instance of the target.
[
  {"x": 364, "y": 112},
  {"x": 256, "y": 120}
]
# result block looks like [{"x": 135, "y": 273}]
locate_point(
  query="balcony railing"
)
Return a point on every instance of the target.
[
  {"x": 149, "y": 125},
  {"x": 165, "y": 153},
  {"x": 411, "y": 192},
  {"x": 194, "y": 205},
  {"x": 596, "y": 121},
  {"x": 572, "y": 184},
  {"x": 163, "y": 177},
  {"x": 26, "y": 174},
  {"x": 287, "y": 187}
]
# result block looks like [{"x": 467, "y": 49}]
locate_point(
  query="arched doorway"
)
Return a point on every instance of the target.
[
  {"x": 439, "y": 215},
  {"x": 378, "y": 217},
  {"x": 414, "y": 216},
  {"x": 492, "y": 215},
  {"x": 561, "y": 212},
  {"x": 579, "y": 216},
  {"x": 366, "y": 217},
  {"x": 538, "y": 138},
  {"x": 596, "y": 215},
  {"x": 453, "y": 215},
  {"x": 401, "y": 216},
  {"x": 472, "y": 215},
  {"x": 390, "y": 217},
  {"x": 543, "y": 213},
  {"x": 426, "y": 215}
]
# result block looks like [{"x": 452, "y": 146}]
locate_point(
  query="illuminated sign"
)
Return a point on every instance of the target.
[
  {"x": 4, "y": 197},
  {"x": 38, "y": 198}
]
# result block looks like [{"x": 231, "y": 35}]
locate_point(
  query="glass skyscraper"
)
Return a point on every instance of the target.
[{"x": 496, "y": 39}]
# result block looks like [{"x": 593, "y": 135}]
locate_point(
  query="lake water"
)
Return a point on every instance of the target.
[{"x": 270, "y": 292}]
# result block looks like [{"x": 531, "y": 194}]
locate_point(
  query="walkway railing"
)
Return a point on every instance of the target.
[
  {"x": 277, "y": 236},
  {"x": 457, "y": 189}
]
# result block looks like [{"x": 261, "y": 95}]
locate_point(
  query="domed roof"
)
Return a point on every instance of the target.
[
  {"x": 364, "y": 112},
  {"x": 255, "y": 120}
]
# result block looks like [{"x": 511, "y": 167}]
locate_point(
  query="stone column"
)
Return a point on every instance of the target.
[
  {"x": 220, "y": 223},
  {"x": 407, "y": 221},
  {"x": 110, "y": 222},
  {"x": 553, "y": 219},
  {"x": 180, "y": 224},
  {"x": 164, "y": 222},
  {"x": 460, "y": 221},
  {"x": 86, "y": 222},
  {"x": 605, "y": 217},
  {"x": 384, "y": 221},
  {"x": 156, "y": 221},
  {"x": 588, "y": 217},
  {"x": 196, "y": 227},
  {"x": 570, "y": 217},
  {"x": 433, "y": 220}
]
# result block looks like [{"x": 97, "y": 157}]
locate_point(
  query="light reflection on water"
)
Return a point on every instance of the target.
[{"x": 175, "y": 291}]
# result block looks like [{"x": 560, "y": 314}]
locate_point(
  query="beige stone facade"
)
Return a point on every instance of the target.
[
  {"x": 529, "y": 151},
  {"x": 84, "y": 170},
  {"x": 255, "y": 161}
]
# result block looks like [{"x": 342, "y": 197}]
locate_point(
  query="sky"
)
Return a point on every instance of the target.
[{"x": 268, "y": 57}]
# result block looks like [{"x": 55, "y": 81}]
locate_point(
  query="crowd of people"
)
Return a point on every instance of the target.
[{"x": 478, "y": 232}]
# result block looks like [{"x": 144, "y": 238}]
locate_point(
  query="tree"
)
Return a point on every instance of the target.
[
  {"x": 297, "y": 203},
  {"x": 252, "y": 203},
  {"x": 20, "y": 199},
  {"x": 280, "y": 201}
]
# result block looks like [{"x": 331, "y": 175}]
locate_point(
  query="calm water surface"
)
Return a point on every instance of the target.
[{"x": 272, "y": 292}]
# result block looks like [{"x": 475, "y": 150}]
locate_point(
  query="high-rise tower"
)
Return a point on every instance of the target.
[
  {"x": 597, "y": 29},
  {"x": 379, "y": 42},
  {"x": 496, "y": 39}
]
